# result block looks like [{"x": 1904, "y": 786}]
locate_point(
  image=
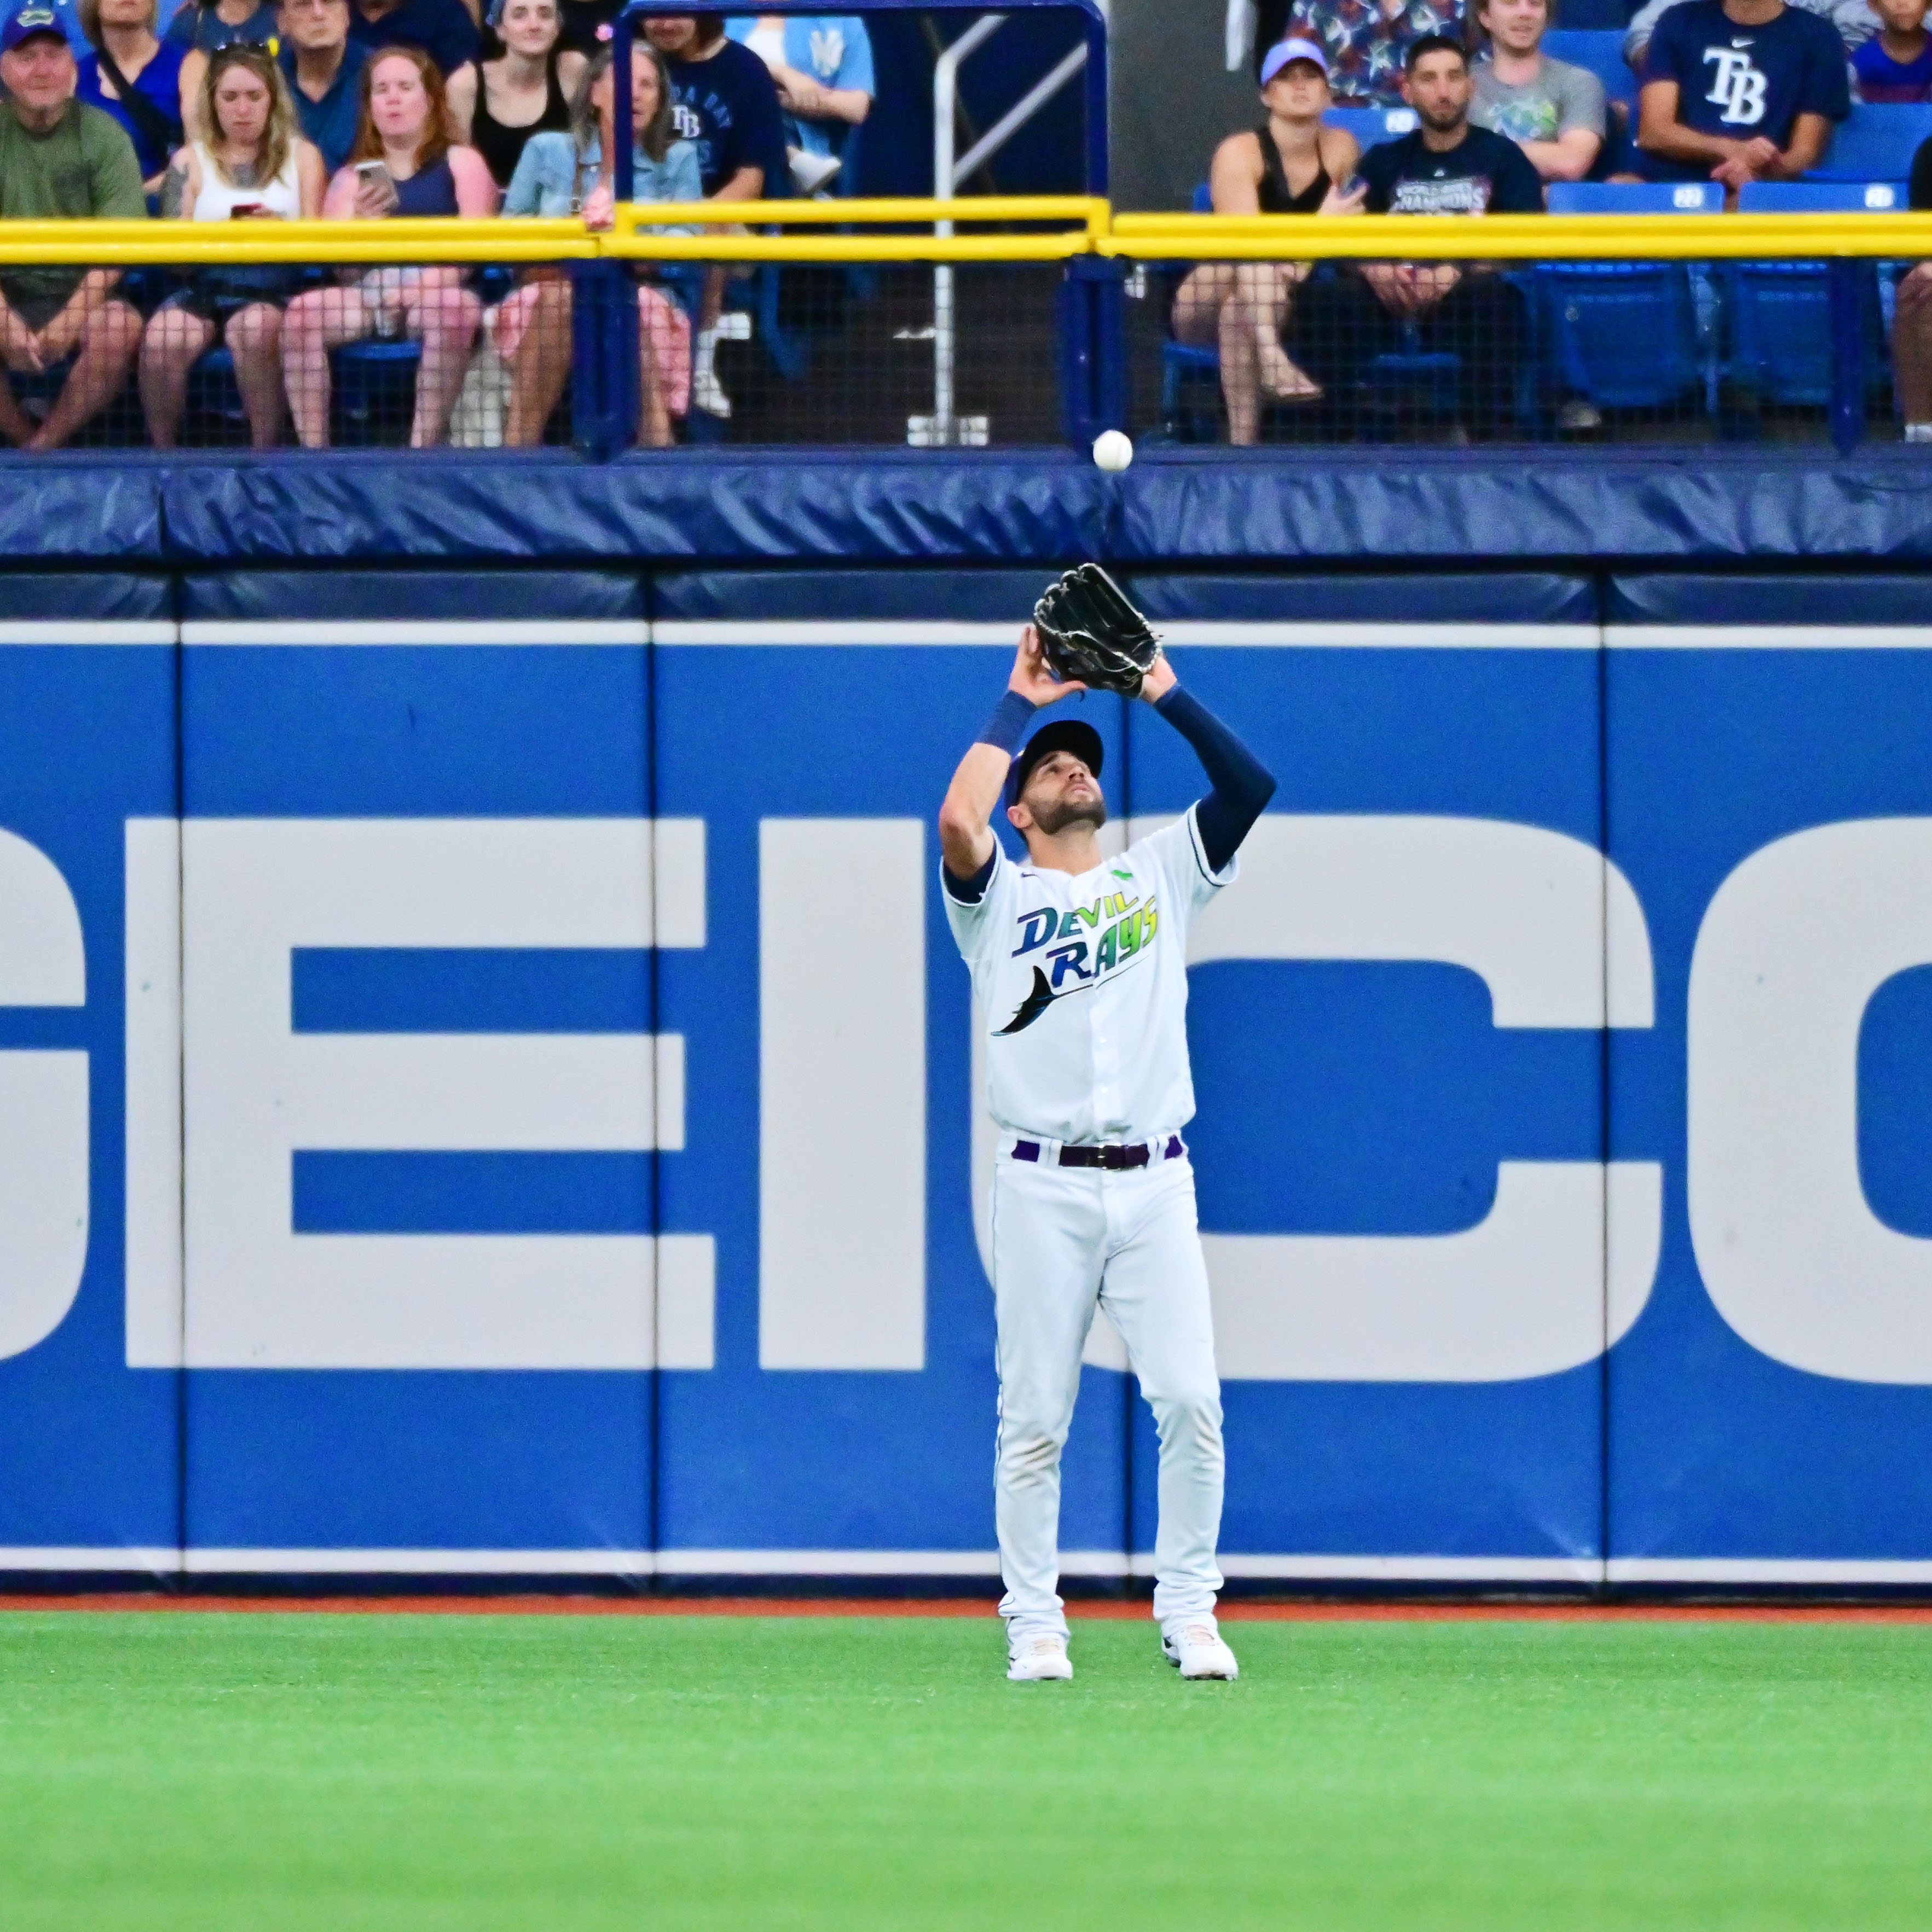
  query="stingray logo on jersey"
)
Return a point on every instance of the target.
[{"x": 1074, "y": 963}]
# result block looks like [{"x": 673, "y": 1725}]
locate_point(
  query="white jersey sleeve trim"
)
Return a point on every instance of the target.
[{"x": 1228, "y": 873}]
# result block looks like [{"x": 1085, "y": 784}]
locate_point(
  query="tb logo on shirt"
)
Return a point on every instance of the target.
[{"x": 1738, "y": 87}]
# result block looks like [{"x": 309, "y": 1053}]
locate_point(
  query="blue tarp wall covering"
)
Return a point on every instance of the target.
[{"x": 486, "y": 1086}]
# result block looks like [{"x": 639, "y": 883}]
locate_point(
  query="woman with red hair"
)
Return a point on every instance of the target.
[{"x": 407, "y": 161}]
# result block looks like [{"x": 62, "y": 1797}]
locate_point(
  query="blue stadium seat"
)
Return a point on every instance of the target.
[
  {"x": 1820, "y": 197},
  {"x": 1635, "y": 198},
  {"x": 1602, "y": 52},
  {"x": 1780, "y": 312},
  {"x": 1371, "y": 124},
  {"x": 375, "y": 382},
  {"x": 1876, "y": 143},
  {"x": 1630, "y": 334},
  {"x": 1185, "y": 368}
]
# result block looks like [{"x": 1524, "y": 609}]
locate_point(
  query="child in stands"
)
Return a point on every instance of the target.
[{"x": 1896, "y": 63}]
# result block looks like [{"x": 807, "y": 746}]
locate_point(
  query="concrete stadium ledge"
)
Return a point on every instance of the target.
[{"x": 1381, "y": 506}]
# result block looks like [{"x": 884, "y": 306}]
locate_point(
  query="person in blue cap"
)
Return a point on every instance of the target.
[
  {"x": 1292, "y": 164},
  {"x": 60, "y": 160}
]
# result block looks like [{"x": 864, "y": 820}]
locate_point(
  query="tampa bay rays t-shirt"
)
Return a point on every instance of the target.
[
  {"x": 1080, "y": 988},
  {"x": 727, "y": 106},
  {"x": 1739, "y": 82},
  {"x": 1483, "y": 174}
]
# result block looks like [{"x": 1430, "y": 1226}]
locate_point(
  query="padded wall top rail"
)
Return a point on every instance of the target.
[{"x": 1174, "y": 506}]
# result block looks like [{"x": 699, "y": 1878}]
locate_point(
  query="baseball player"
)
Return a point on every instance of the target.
[{"x": 1078, "y": 964}]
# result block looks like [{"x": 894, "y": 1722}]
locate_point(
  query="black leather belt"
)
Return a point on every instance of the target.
[{"x": 1114, "y": 1158}]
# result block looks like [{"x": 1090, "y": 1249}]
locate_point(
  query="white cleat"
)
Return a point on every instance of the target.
[
  {"x": 1035, "y": 1660},
  {"x": 1198, "y": 1651}
]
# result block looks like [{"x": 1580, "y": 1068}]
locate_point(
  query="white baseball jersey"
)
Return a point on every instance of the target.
[{"x": 1082, "y": 986}]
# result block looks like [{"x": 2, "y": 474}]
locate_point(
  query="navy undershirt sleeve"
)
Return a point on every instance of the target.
[
  {"x": 1243, "y": 784},
  {"x": 970, "y": 891}
]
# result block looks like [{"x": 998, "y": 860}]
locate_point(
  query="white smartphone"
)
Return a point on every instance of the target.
[{"x": 377, "y": 174}]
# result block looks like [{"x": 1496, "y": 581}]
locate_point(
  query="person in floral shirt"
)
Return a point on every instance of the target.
[{"x": 1366, "y": 41}]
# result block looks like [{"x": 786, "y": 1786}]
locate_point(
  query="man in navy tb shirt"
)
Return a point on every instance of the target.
[
  {"x": 1466, "y": 309},
  {"x": 725, "y": 101},
  {"x": 1738, "y": 91}
]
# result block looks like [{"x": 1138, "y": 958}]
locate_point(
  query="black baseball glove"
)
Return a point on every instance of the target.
[{"x": 1090, "y": 633}]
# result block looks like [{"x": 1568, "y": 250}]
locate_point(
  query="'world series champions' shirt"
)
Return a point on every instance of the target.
[
  {"x": 1081, "y": 986},
  {"x": 1483, "y": 174}
]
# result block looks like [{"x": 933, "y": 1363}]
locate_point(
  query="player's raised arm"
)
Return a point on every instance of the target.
[
  {"x": 1242, "y": 784},
  {"x": 965, "y": 818}
]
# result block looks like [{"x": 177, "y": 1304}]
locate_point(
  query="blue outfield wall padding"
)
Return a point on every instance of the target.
[
  {"x": 796, "y": 596},
  {"x": 767, "y": 504},
  {"x": 413, "y": 596},
  {"x": 1479, "y": 597},
  {"x": 1175, "y": 505},
  {"x": 1784, "y": 599},
  {"x": 89, "y": 1438},
  {"x": 29, "y": 597},
  {"x": 1771, "y": 808},
  {"x": 81, "y": 508},
  {"x": 1502, "y": 504}
]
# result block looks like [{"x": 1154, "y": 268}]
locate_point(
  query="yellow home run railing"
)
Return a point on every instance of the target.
[
  {"x": 1101, "y": 338},
  {"x": 1026, "y": 228}
]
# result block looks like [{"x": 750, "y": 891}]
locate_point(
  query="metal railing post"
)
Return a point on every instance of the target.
[
  {"x": 1845, "y": 283},
  {"x": 942, "y": 430},
  {"x": 622, "y": 173}
]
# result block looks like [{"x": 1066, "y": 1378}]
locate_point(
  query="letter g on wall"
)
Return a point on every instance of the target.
[{"x": 43, "y": 1125}]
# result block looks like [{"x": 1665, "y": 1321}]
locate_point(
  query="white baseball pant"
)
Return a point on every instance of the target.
[{"x": 1065, "y": 1241}]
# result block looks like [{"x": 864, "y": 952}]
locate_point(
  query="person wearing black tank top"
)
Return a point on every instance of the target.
[
  {"x": 526, "y": 89},
  {"x": 1291, "y": 164}
]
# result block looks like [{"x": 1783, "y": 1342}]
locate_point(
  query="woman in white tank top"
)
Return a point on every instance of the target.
[{"x": 254, "y": 166}]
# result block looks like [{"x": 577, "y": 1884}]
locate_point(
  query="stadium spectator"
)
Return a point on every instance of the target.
[
  {"x": 1853, "y": 20},
  {"x": 726, "y": 104},
  {"x": 1896, "y": 63},
  {"x": 1446, "y": 166},
  {"x": 1911, "y": 322},
  {"x": 1367, "y": 41},
  {"x": 1738, "y": 91},
  {"x": 445, "y": 30},
  {"x": 60, "y": 160},
  {"x": 254, "y": 165},
  {"x": 323, "y": 68},
  {"x": 822, "y": 66},
  {"x": 200, "y": 27},
  {"x": 407, "y": 161},
  {"x": 1554, "y": 112},
  {"x": 526, "y": 89},
  {"x": 131, "y": 73},
  {"x": 572, "y": 173},
  {"x": 1291, "y": 164}
]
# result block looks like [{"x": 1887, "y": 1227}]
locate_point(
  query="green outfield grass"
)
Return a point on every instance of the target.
[{"x": 283, "y": 1773}]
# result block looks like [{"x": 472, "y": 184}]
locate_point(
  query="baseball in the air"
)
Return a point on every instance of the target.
[{"x": 1113, "y": 449}]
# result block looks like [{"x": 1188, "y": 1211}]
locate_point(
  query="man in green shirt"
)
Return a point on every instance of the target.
[{"x": 60, "y": 160}]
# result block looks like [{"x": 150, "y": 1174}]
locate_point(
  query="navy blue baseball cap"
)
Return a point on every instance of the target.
[
  {"x": 24, "y": 22},
  {"x": 1063, "y": 734}
]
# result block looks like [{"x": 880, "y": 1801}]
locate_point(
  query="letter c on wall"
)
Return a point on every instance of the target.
[
  {"x": 1564, "y": 1262},
  {"x": 1793, "y": 945},
  {"x": 43, "y": 1125}
]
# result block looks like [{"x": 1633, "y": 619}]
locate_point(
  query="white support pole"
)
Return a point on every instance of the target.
[
  {"x": 1016, "y": 116},
  {"x": 942, "y": 430}
]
